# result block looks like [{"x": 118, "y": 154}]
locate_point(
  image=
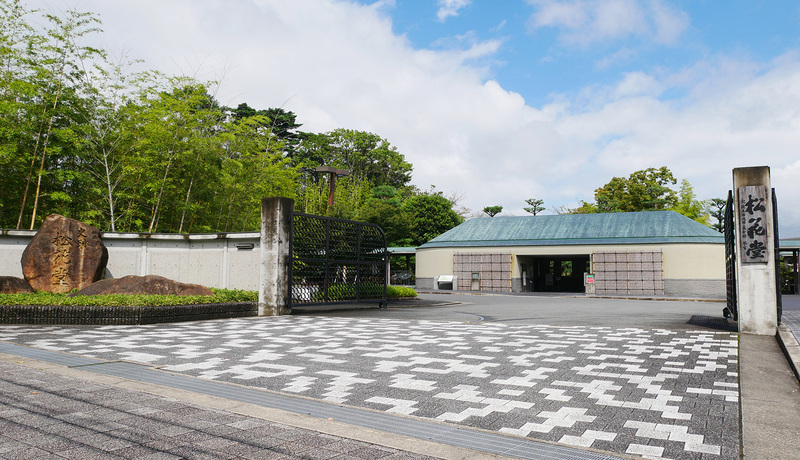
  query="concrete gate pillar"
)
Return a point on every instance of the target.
[
  {"x": 276, "y": 221},
  {"x": 755, "y": 251}
]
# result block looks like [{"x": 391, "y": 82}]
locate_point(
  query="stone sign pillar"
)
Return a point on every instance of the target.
[
  {"x": 756, "y": 267},
  {"x": 276, "y": 220}
]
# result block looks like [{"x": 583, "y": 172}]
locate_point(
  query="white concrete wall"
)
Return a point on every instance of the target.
[
  {"x": 12, "y": 244},
  {"x": 211, "y": 260}
]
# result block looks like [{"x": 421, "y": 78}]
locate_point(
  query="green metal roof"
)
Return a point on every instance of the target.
[
  {"x": 401, "y": 250},
  {"x": 568, "y": 229}
]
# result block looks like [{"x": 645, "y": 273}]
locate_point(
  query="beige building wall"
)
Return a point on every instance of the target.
[
  {"x": 694, "y": 261},
  {"x": 689, "y": 269}
]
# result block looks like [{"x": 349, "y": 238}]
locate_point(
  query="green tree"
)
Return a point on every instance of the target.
[
  {"x": 688, "y": 205},
  {"x": 174, "y": 130},
  {"x": 385, "y": 208},
  {"x": 646, "y": 190},
  {"x": 107, "y": 140},
  {"x": 83, "y": 137},
  {"x": 431, "y": 215},
  {"x": 366, "y": 155},
  {"x": 717, "y": 212},
  {"x": 62, "y": 72},
  {"x": 16, "y": 119},
  {"x": 535, "y": 206},
  {"x": 278, "y": 123},
  {"x": 43, "y": 92},
  {"x": 252, "y": 167},
  {"x": 371, "y": 160},
  {"x": 584, "y": 208},
  {"x": 492, "y": 211}
]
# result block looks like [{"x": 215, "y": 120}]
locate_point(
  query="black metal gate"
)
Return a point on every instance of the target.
[
  {"x": 778, "y": 280},
  {"x": 336, "y": 261},
  {"x": 732, "y": 310}
]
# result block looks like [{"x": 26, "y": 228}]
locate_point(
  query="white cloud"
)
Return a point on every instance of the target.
[
  {"x": 668, "y": 23},
  {"x": 742, "y": 119},
  {"x": 468, "y": 47},
  {"x": 449, "y": 8},
  {"x": 339, "y": 65},
  {"x": 583, "y": 22},
  {"x": 637, "y": 84}
]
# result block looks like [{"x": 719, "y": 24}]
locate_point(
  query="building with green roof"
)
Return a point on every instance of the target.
[{"x": 637, "y": 253}]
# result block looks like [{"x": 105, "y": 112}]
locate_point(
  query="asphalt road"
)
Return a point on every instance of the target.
[
  {"x": 554, "y": 310},
  {"x": 791, "y": 302}
]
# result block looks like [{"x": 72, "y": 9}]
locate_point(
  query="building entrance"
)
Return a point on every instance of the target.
[{"x": 553, "y": 273}]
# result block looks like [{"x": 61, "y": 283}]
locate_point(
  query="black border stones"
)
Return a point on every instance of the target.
[{"x": 104, "y": 315}]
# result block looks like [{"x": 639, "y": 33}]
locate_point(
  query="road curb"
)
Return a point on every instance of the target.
[{"x": 790, "y": 348}]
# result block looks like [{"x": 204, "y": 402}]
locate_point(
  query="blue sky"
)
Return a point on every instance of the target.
[
  {"x": 497, "y": 101},
  {"x": 538, "y": 58}
]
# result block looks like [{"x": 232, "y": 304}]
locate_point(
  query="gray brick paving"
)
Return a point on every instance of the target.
[
  {"x": 653, "y": 392},
  {"x": 791, "y": 318},
  {"x": 46, "y": 415}
]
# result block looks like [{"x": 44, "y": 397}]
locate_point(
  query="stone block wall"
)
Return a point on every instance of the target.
[
  {"x": 494, "y": 270},
  {"x": 628, "y": 273}
]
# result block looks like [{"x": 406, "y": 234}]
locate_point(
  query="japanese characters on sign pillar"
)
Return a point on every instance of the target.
[
  {"x": 753, "y": 222},
  {"x": 756, "y": 269}
]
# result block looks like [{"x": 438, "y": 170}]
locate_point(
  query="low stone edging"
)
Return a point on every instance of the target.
[
  {"x": 72, "y": 315},
  {"x": 790, "y": 348}
]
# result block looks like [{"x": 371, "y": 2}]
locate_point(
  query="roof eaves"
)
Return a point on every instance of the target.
[{"x": 577, "y": 241}]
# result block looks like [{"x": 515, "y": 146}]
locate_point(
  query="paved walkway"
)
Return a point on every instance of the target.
[
  {"x": 583, "y": 391},
  {"x": 628, "y": 391},
  {"x": 44, "y": 414},
  {"x": 770, "y": 397}
]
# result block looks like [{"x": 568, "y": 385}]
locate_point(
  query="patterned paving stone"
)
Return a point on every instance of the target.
[
  {"x": 165, "y": 431},
  {"x": 657, "y": 393}
]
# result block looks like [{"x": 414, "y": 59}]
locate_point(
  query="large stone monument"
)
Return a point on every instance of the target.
[{"x": 65, "y": 254}]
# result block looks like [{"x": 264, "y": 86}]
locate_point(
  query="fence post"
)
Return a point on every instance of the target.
[
  {"x": 276, "y": 220},
  {"x": 755, "y": 251}
]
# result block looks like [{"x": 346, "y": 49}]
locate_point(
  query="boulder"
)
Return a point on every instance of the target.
[
  {"x": 14, "y": 285},
  {"x": 64, "y": 255},
  {"x": 147, "y": 285}
]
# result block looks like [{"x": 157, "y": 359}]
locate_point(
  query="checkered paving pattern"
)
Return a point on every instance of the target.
[{"x": 655, "y": 393}]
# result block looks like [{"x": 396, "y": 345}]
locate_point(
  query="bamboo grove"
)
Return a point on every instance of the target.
[{"x": 83, "y": 135}]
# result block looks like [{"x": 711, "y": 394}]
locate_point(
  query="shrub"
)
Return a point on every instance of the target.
[
  {"x": 124, "y": 300},
  {"x": 400, "y": 291},
  {"x": 338, "y": 292}
]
